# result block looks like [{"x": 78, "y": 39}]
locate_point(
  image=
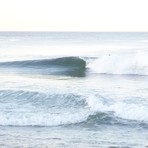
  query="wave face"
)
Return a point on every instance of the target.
[
  {"x": 135, "y": 64},
  {"x": 72, "y": 66}
]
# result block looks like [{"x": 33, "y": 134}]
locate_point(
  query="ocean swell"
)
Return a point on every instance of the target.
[{"x": 70, "y": 66}]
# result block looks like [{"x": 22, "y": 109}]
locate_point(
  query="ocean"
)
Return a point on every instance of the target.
[{"x": 74, "y": 89}]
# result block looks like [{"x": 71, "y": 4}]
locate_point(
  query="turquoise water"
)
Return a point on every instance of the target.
[{"x": 73, "y": 89}]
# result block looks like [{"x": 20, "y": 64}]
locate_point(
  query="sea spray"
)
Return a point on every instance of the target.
[{"x": 136, "y": 64}]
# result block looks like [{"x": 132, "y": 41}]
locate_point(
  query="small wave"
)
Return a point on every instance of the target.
[
  {"x": 40, "y": 99},
  {"x": 122, "y": 110},
  {"x": 71, "y": 66},
  {"x": 24, "y": 108},
  {"x": 135, "y": 64}
]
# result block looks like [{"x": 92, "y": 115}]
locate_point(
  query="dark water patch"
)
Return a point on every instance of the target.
[
  {"x": 94, "y": 121},
  {"x": 98, "y": 119},
  {"x": 69, "y": 66}
]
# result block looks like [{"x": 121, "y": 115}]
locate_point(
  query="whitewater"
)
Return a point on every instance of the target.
[{"x": 73, "y": 89}]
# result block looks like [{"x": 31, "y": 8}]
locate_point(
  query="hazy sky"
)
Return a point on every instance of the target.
[{"x": 73, "y": 15}]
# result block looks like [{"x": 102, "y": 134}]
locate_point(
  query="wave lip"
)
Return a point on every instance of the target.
[{"x": 71, "y": 66}]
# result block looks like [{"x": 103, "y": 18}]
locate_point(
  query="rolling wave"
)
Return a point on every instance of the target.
[
  {"x": 24, "y": 108},
  {"x": 64, "y": 61},
  {"x": 71, "y": 66}
]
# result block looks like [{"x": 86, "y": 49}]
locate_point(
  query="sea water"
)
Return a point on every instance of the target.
[{"x": 73, "y": 89}]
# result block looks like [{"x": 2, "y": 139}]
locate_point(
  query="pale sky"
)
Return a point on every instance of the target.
[{"x": 73, "y": 15}]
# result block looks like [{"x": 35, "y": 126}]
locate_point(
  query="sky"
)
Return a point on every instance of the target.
[{"x": 74, "y": 15}]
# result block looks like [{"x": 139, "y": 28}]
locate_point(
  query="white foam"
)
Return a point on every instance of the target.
[
  {"x": 121, "y": 64},
  {"x": 42, "y": 119},
  {"x": 122, "y": 110},
  {"x": 28, "y": 115}
]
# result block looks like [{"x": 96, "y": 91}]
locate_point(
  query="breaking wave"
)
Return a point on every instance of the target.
[
  {"x": 135, "y": 64},
  {"x": 24, "y": 108}
]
